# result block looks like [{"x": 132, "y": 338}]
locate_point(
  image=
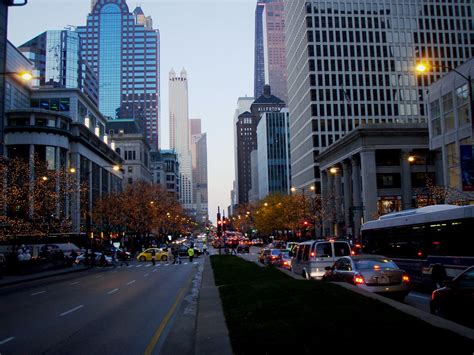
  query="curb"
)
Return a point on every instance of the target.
[
  {"x": 39, "y": 277},
  {"x": 417, "y": 313},
  {"x": 212, "y": 335}
]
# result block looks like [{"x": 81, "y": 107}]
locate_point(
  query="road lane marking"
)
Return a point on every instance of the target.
[
  {"x": 155, "y": 270},
  {"x": 130, "y": 266},
  {"x": 195, "y": 263},
  {"x": 139, "y": 266},
  {"x": 38, "y": 293},
  {"x": 71, "y": 310},
  {"x": 131, "y": 282},
  {"x": 148, "y": 265},
  {"x": 113, "y": 291},
  {"x": 185, "y": 263},
  {"x": 73, "y": 283},
  {"x": 167, "y": 264},
  {"x": 98, "y": 277},
  {"x": 4, "y": 341},
  {"x": 146, "y": 275},
  {"x": 149, "y": 349}
]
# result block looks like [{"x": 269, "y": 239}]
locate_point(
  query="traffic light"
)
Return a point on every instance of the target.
[{"x": 219, "y": 226}]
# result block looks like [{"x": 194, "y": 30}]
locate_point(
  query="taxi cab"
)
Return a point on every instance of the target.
[{"x": 161, "y": 255}]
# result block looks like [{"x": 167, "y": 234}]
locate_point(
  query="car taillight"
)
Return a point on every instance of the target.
[
  {"x": 285, "y": 263},
  {"x": 405, "y": 278},
  {"x": 313, "y": 254},
  {"x": 359, "y": 279},
  {"x": 353, "y": 252}
]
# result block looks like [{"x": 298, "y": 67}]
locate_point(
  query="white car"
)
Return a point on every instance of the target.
[{"x": 82, "y": 258}]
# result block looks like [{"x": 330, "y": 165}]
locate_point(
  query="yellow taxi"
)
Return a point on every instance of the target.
[{"x": 161, "y": 255}]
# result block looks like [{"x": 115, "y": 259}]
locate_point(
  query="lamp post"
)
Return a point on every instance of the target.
[{"x": 424, "y": 67}]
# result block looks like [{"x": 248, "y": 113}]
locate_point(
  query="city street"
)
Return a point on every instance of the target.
[{"x": 125, "y": 310}]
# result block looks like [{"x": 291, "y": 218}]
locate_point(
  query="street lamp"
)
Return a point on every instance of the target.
[
  {"x": 25, "y": 75},
  {"x": 424, "y": 67}
]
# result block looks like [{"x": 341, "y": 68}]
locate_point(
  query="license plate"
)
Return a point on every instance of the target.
[{"x": 383, "y": 280}]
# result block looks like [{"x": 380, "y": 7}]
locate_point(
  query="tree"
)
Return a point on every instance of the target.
[{"x": 35, "y": 198}]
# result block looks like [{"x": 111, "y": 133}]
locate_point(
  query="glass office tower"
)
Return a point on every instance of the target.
[
  {"x": 58, "y": 62},
  {"x": 123, "y": 49}
]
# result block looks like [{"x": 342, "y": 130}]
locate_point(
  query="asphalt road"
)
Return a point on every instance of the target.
[{"x": 122, "y": 310}]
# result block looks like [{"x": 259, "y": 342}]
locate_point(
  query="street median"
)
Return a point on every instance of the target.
[{"x": 269, "y": 312}]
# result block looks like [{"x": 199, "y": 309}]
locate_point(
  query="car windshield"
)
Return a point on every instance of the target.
[
  {"x": 364, "y": 264},
  {"x": 276, "y": 252},
  {"x": 285, "y": 254}
]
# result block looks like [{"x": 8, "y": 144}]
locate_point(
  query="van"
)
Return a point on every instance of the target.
[{"x": 310, "y": 259}]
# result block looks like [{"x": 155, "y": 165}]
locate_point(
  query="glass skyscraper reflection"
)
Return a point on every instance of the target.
[
  {"x": 123, "y": 49},
  {"x": 58, "y": 62}
]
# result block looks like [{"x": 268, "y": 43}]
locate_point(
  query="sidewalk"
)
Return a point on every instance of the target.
[
  {"x": 17, "y": 279},
  {"x": 212, "y": 335}
]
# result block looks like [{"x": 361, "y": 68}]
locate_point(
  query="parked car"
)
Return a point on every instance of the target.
[
  {"x": 455, "y": 300},
  {"x": 81, "y": 259},
  {"x": 161, "y": 255},
  {"x": 373, "y": 273},
  {"x": 272, "y": 257},
  {"x": 311, "y": 258}
]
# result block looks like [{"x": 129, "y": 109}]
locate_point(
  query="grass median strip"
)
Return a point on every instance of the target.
[{"x": 269, "y": 312}]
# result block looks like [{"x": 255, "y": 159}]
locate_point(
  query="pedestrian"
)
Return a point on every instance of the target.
[
  {"x": 153, "y": 256},
  {"x": 191, "y": 254},
  {"x": 204, "y": 249},
  {"x": 103, "y": 262},
  {"x": 123, "y": 258},
  {"x": 176, "y": 257},
  {"x": 114, "y": 258}
]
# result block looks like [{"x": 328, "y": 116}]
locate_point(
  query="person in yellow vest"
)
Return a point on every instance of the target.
[{"x": 191, "y": 254}]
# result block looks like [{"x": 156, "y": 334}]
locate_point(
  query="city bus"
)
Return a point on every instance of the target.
[{"x": 420, "y": 240}]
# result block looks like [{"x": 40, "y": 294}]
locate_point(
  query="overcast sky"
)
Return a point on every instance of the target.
[{"x": 212, "y": 39}]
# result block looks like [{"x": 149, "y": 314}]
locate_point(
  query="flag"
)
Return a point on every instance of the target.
[{"x": 346, "y": 96}]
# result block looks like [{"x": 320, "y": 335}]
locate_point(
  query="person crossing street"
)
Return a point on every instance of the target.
[
  {"x": 191, "y": 254},
  {"x": 153, "y": 256}
]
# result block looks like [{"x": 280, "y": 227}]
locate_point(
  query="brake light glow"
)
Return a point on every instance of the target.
[
  {"x": 353, "y": 252},
  {"x": 313, "y": 254},
  {"x": 420, "y": 253},
  {"x": 376, "y": 267},
  {"x": 406, "y": 278},
  {"x": 359, "y": 279},
  {"x": 285, "y": 263}
]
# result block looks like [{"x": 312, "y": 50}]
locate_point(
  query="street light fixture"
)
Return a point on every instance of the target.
[
  {"x": 333, "y": 170},
  {"x": 424, "y": 67},
  {"x": 25, "y": 75}
]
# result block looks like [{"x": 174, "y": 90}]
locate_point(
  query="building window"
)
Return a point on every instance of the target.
[
  {"x": 388, "y": 180},
  {"x": 389, "y": 204}
]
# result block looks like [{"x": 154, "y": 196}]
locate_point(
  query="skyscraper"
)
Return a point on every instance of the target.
[
  {"x": 179, "y": 133},
  {"x": 352, "y": 63},
  {"x": 123, "y": 49},
  {"x": 199, "y": 159},
  {"x": 270, "y": 59},
  {"x": 58, "y": 62}
]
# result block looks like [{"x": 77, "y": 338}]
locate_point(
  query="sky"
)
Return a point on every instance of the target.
[{"x": 212, "y": 39}]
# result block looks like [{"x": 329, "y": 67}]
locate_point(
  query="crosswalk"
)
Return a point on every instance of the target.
[{"x": 137, "y": 266}]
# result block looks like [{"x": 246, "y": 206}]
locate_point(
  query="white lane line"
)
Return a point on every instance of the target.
[
  {"x": 113, "y": 291},
  {"x": 38, "y": 293},
  {"x": 131, "y": 282},
  {"x": 148, "y": 265},
  {"x": 419, "y": 296},
  {"x": 185, "y": 263},
  {"x": 130, "y": 266},
  {"x": 146, "y": 275},
  {"x": 155, "y": 270},
  {"x": 167, "y": 264},
  {"x": 4, "y": 341},
  {"x": 98, "y": 277},
  {"x": 71, "y": 310},
  {"x": 73, "y": 283},
  {"x": 139, "y": 266},
  {"x": 195, "y": 263}
]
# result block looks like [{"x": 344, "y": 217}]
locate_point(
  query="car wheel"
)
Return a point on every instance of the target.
[
  {"x": 164, "y": 258},
  {"x": 142, "y": 258},
  {"x": 304, "y": 274}
]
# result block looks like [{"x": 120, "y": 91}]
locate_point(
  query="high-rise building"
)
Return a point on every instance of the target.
[
  {"x": 243, "y": 105},
  {"x": 246, "y": 139},
  {"x": 123, "y": 50},
  {"x": 352, "y": 63},
  {"x": 270, "y": 59},
  {"x": 58, "y": 62},
  {"x": 199, "y": 159},
  {"x": 179, "y": 134},
  {"x": 273, "y": 154}
]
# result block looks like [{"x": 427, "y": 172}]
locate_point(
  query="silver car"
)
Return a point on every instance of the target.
[{"x": 373, "y": 273}]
